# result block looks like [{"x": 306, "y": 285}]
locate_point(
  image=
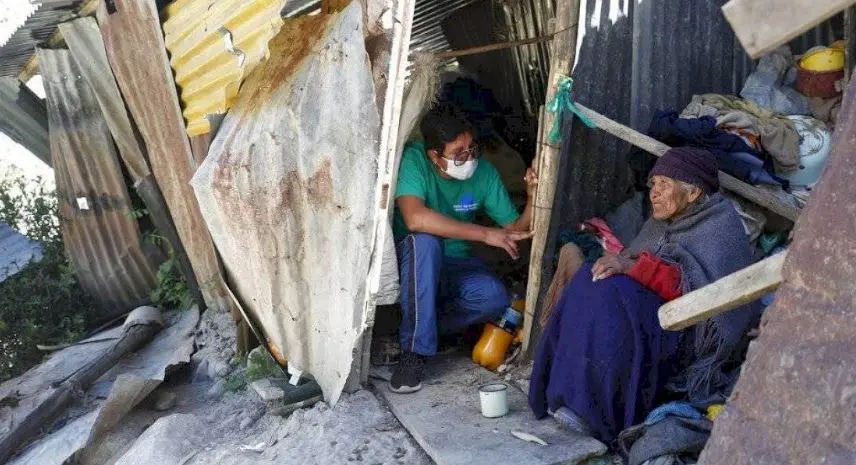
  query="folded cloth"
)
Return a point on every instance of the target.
[
  {"x": 778, "y": 136},
  {"x": 668, "y": 128},
  {"x": 671, "y": 436},
  {"x": 608, "y": 239},
  {"x": 674, "y": 409}
]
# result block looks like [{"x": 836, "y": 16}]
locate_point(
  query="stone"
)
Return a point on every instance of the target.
[
  {"x": 165, "y": 400},
  {"x": 217, "y": 368},
  {"x": 266, "y": 390},
  {"x": 217, "y": 389}
]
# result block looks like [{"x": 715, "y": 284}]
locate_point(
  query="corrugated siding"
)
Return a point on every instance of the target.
[
  {"x": 38, "y": 28},
  {"x": 213, "y": 45},
  {"x": 100, "y": 234},
  {"x": 135, "y": 48},
  {"x": 16, "y": 251}
]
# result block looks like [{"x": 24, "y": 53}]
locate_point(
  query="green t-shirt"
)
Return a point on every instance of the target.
[{"x": 456, "y": 199}]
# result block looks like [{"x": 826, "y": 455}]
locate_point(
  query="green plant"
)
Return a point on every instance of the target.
[
  {"x": 43, "y": 303},
  {"x": 172, "y": 290}
]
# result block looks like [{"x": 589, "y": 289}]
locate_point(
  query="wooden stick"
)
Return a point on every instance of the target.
[
  {"x": 724, "y": 294},
  {"x": 757, "y": 195},
  {"x": 498, "y": 46},
  {"x": 562, "y": 55},
  {"x": 536, "y": 162},
  {"x": 763, "y": 25}
]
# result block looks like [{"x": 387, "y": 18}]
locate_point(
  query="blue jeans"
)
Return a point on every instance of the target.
[{"x": 442, "y": 293}]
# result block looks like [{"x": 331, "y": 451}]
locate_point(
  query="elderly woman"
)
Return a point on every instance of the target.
[{"x": 603, "y": 360}]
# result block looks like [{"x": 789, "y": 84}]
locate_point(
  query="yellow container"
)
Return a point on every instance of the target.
[
  {"x": 491, "y": 348},
  {"x": 823, "y": 59}
]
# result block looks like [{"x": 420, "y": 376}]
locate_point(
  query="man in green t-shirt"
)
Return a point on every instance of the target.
[{"x": 442, "y": 183}]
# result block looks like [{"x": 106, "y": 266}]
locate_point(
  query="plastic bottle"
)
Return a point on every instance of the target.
[{"x": 491, "y": 348}]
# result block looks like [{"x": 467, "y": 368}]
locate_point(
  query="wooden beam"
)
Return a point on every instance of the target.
[
  {"x": 562, "y": 55},
  {"x": 725, "y": 294},
  {"x": 757, "y": 195},
  {"x": 763, "y": 25}
]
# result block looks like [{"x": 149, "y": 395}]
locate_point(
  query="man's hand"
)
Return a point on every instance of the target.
[
  {"x": 506, "y": 239},
  {"x": 531, "y": 179},
  {"x": 610, "y": 265}
]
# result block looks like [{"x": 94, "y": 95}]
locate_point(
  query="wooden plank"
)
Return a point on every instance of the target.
[
  {"x": 725, "y": 294},
  {"x": 763, "y": 25},
  {"x": 563, "y": 53},
  {"x": 757, "y": 195},
  {"x": 445, "y": 419},
  {"x": 135, "y": 49}
]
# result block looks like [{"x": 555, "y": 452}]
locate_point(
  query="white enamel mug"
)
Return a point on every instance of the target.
[{"x": 494, "y": 400}]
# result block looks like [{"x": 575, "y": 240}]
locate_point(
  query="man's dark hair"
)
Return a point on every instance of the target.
[{"x": 441, "y": 125}]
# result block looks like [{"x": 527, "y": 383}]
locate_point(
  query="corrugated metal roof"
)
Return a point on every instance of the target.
[
  {"x": 38, "y": 28},
  {"x": 214, "y": 44},
  {"x": 16, "y": 251},
  {"x": 100, "y": 234}
]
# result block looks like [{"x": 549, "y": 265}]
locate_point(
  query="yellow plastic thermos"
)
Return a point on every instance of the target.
[{"x": 491, "y": 348}]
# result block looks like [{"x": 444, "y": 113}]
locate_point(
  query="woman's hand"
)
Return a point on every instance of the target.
[
  {"x": 610, "y": 265},
  {"x": 506, "y": 239}
]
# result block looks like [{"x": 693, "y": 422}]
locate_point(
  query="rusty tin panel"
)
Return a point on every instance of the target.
[
  {"x": 289, "y": 192},
  {"x": 101, "y": 236},
  {"x": 796, "y": 398},
  {"x": 213, "y": 45},
  {"x": 135, "y": 48}
]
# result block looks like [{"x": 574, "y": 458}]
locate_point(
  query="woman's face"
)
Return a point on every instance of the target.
[{"x": 668, "y": 198}]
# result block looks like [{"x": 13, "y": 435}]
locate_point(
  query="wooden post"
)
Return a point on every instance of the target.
[
  {"x": 763, "y": 25},
  {"x": 728, "y": 293},
  {"x": 562, "y": 55}
]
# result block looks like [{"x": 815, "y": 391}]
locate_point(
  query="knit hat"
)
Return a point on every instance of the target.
[{"x": 691, "y": 165}]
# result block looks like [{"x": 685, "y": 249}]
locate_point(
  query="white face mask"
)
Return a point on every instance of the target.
[{"x": 462, "y": 172}]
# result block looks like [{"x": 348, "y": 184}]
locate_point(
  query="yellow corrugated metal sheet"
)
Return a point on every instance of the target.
[{"x": 213, "y": 45}]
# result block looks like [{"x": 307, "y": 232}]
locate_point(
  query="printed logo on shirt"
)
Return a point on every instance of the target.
[{"x": 467, "y": 203}]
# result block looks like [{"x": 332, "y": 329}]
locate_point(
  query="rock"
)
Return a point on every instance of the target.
[
  {"x": 165, "y": 400},
  {"x": 217, "y": 368},
  {"x": 266, "y": 390},
  {"x": 218, "y": 388}
]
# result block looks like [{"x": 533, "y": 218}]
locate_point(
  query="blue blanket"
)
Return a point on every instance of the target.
[{"x": 604, "y": 355}]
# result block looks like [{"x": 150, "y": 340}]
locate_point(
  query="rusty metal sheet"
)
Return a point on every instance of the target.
[
  {"x": 135, "y": 48},
  {"x": 796, "y": 397},
  {"x": 101, "y": 236},
  {"x": 289, "y": 192},
  {"x": 213, "y": 46},
  {"x": 87, "y": 50}
]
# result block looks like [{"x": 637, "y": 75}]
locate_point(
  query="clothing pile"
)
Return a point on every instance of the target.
[{"x": 772, "y": 135}]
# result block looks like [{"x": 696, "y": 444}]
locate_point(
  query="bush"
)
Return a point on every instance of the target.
[{"x": 43, "y": 303}]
